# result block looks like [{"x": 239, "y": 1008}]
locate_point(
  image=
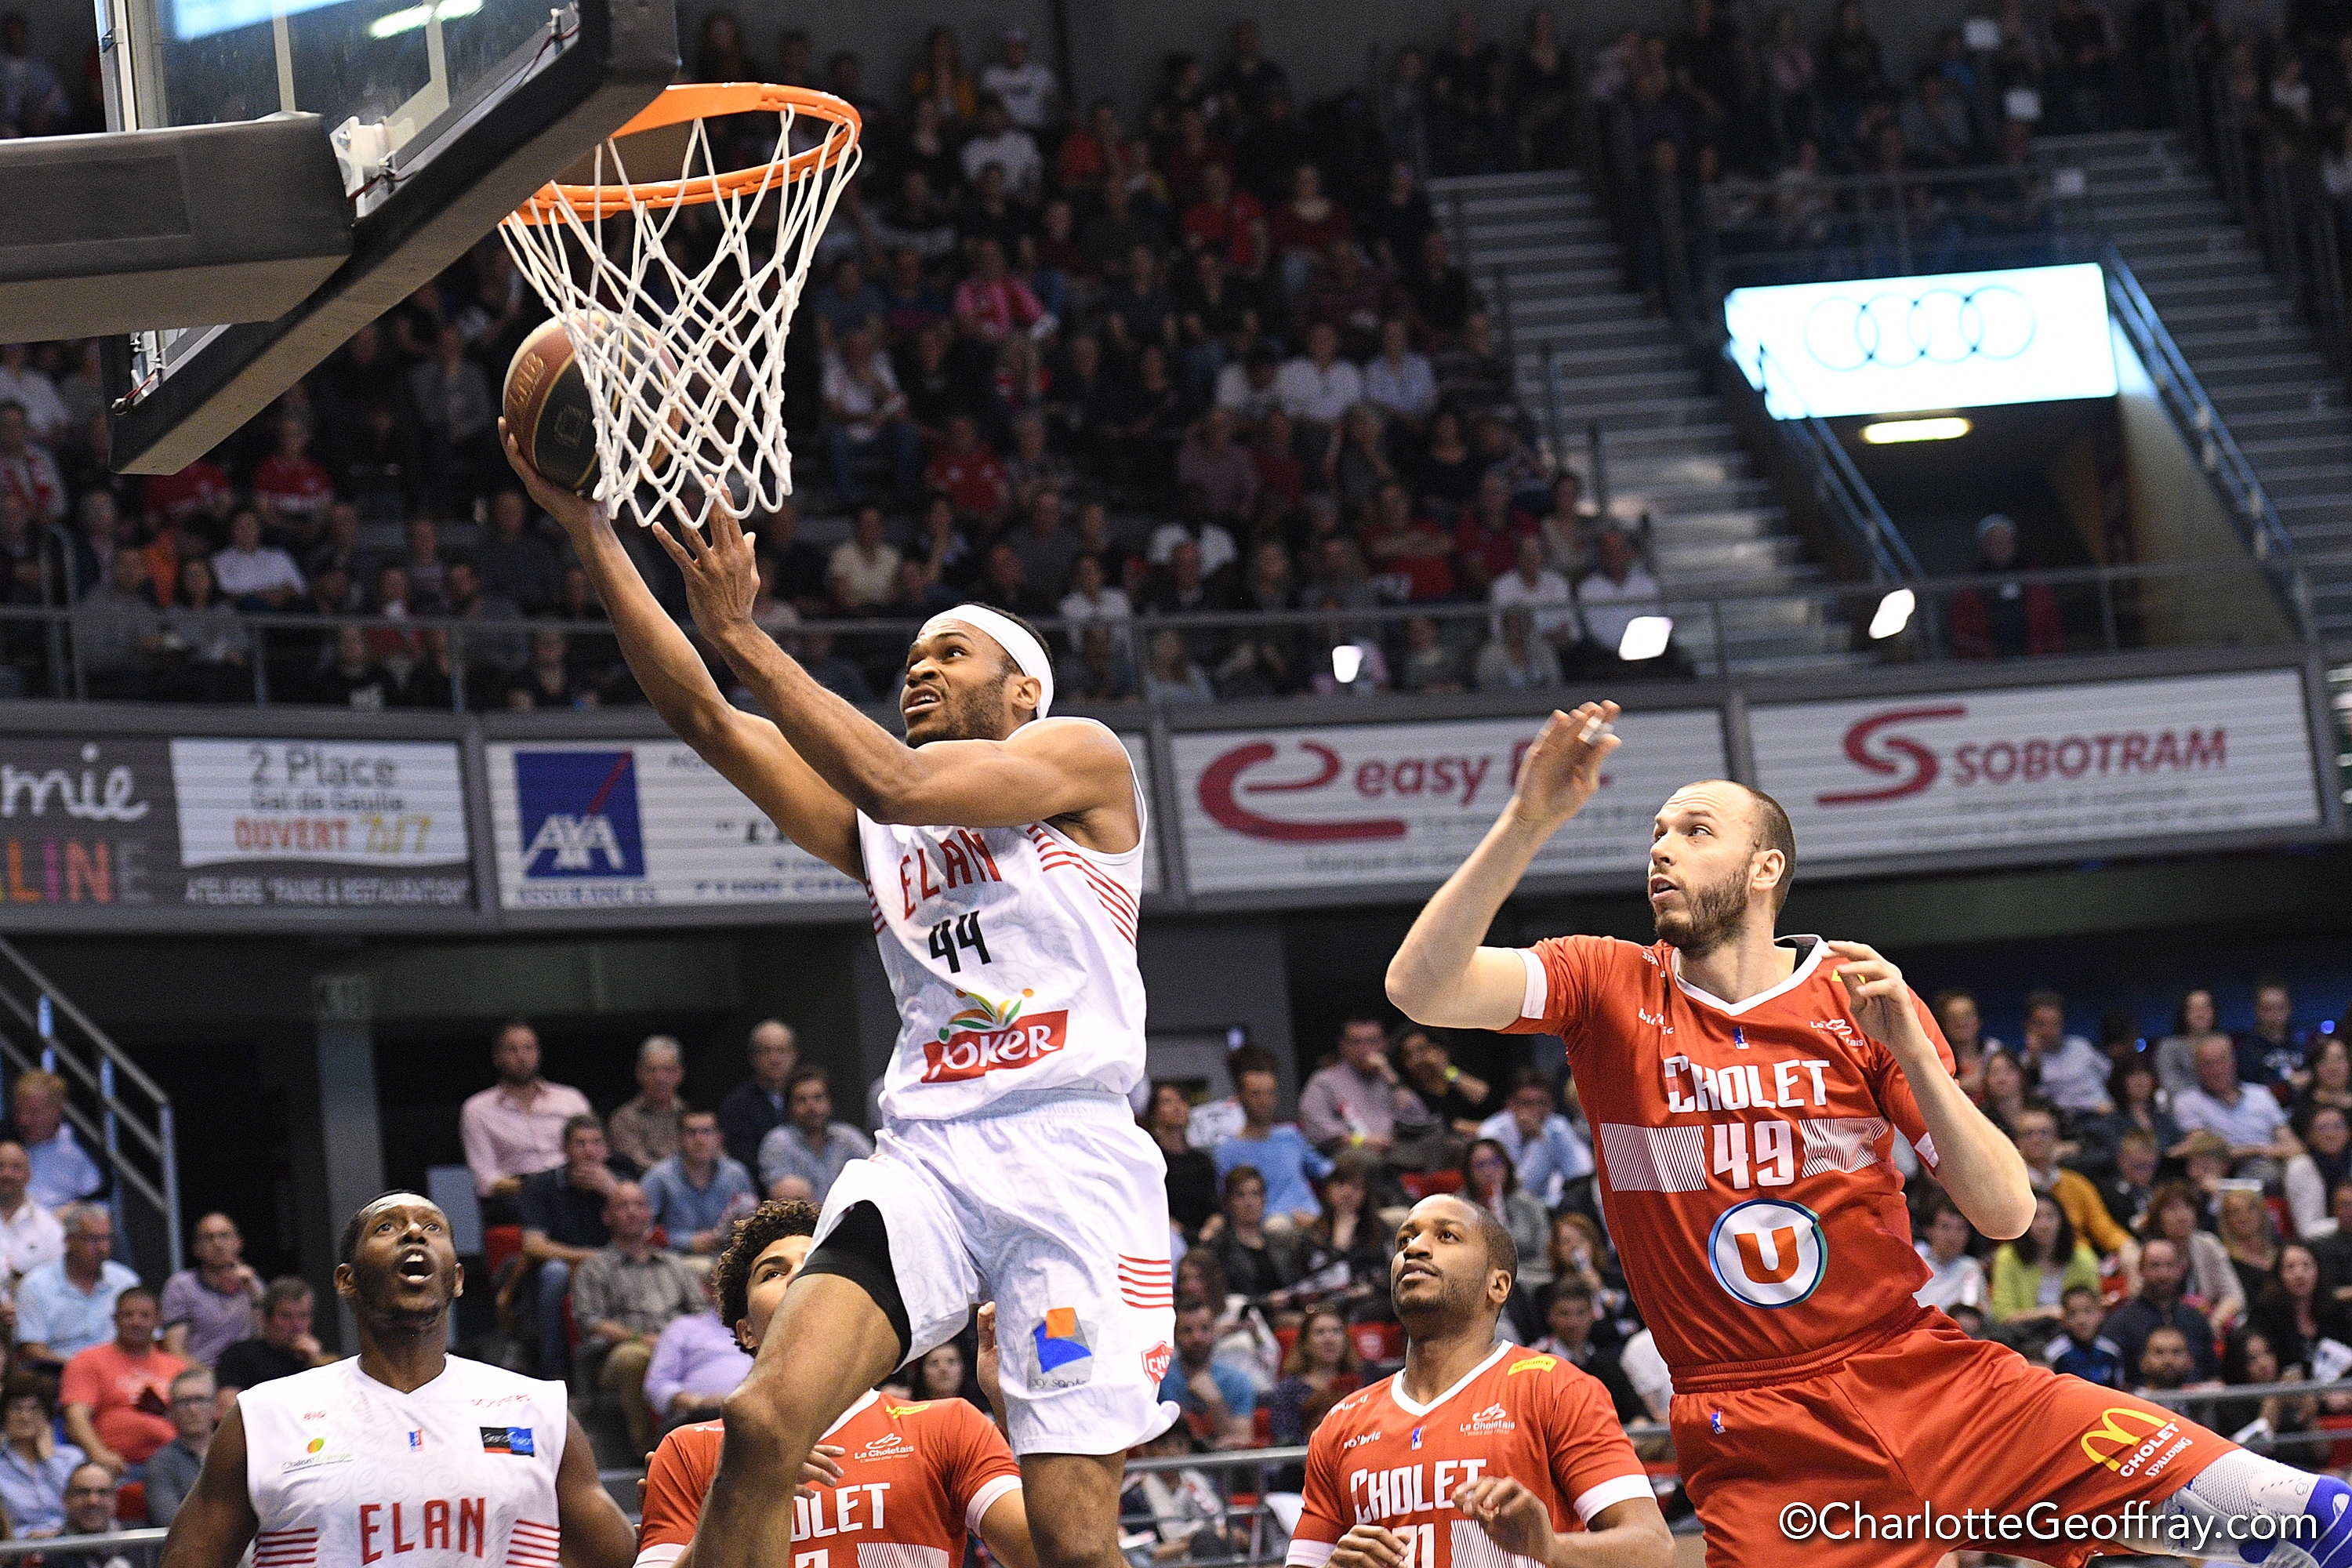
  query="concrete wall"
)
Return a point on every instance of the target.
[{"x": 2178, "y": 516}]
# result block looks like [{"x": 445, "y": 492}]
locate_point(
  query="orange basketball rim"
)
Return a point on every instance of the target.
[{"x": 700, "y": 101}]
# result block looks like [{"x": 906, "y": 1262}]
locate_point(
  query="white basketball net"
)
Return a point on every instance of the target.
[{"x": 685, "y": 368}]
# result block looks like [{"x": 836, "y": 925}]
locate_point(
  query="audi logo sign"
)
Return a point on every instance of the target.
[
  {"x": 1900, "y": 345},
  {"x": 2040, "y": 766},
  {"x": 1378, "y": 805}
]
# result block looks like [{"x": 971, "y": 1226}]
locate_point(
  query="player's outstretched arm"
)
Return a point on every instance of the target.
[
  {"x": 1043, "y": 772},
  {"x": 216, "y": 1521},
  {"x": 596, "y": 1534},
  {"x": 1005, "y": 1528},
  {"x": 747, "y": 752},
  {"x": 1631, "y": 1533},
  {"x": 1975, "y": 1160},
  {"x": 1440, "y": 975}
]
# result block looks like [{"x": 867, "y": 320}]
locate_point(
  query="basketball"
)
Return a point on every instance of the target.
[{"x": 549, "y": 411}]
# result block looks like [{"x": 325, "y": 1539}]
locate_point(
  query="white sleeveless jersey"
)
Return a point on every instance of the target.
[
  {"x": 1011, "y": 953},
  {"x": 345, "y": 1470}
]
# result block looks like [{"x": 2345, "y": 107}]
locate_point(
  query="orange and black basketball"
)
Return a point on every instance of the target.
[{"x": 549, "y": 411}]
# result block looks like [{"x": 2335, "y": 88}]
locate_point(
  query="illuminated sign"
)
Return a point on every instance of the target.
[{"x": 1899, "y": 345}]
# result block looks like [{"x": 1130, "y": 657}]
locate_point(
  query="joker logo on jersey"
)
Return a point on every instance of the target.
[
  {"x": 987, "y": 1036},
  {"x": 1767, "y": 1253}
]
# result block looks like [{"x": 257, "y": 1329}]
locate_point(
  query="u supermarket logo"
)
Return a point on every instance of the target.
[{"x": 1767, "y": 1253}]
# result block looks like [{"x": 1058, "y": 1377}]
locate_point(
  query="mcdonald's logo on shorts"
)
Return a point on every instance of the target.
[
  {"x": 1767, "y": 1253},
  {"x": 2127, "y": 1437}
]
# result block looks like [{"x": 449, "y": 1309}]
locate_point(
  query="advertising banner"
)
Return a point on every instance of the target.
[
  {"x": 2044, "y": 766},
  {"x": 599, "y": 824},
  {"x": 339, "y": 824},
  {"x": 1379, "y": 804}
]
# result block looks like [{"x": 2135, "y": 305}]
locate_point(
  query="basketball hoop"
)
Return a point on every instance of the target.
[{"x": 683, "y": 350}]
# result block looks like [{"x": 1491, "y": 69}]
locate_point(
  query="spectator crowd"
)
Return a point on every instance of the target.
[{"x": 1213, "y": 359}]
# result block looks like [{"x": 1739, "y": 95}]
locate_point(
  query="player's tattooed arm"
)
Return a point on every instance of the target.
[
  {"x": 215, "y": 1522},
  {"x": 1975, "y": 1160},
  {"x": 1631, "y": 1533},
  {"x": 1440, "y": 975}
]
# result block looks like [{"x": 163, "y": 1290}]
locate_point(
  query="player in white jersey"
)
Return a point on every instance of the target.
[
  {"x": 1002, "y": 851},
  {"x": 402, "y": 1452}
]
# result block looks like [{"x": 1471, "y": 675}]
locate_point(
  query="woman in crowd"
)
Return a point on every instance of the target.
[
  {"x": 1192, "y": 1175},
  {"x": 2008, "y": 1089},
  {"x": 2331, "y": 1080},
  {"x": 1491, "y": 1179},
  {"x": 2325, "y": 1161},
  {"x": 2251, "y": 1357},
  {"x": 2211, "y": 1284},
  {"x": 2294, "y": 1313},
  {"x": 1577, "y": 1250},
  {"x": 941, "y": 81},
  {"x": 2176, "y": 1054},
  {"x": 1321, "y": 1369},
  {"x": 1245, "y": 1340},
  {"x": 1255, "y": 1265},
  {"x": 2140, "y": 1104},
  {"x": 2251, "y": 1238},
  {"x": 33, "y": 1464},
  {"x": 1343, "y": 1255},
  {"x": 943, "y": 1374},
  {"x": 2033, "y": 1273}
]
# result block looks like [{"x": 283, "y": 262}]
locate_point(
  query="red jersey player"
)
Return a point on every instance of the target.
[
  {"x": 1478, "y": 1453},
  {"x": 1744, "y": 1090},
  {"x": 909, "y": 1478}
]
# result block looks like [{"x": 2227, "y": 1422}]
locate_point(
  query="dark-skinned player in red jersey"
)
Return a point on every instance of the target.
[{"x": 1744, "y": 1090}]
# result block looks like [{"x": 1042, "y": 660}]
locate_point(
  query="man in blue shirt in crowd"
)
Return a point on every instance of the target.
[
  {"x": 68, "y": 1305},
  {"x": 698, "y": 1193},
  {"x": 1219, "y": 1401},
  {"x": 1280, "y": 1153}
]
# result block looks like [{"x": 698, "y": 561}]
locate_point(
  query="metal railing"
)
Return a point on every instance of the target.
[
  {"x": 2108, "y": 609},
  {"x": 121, "y": 1115},
  {"x": 1838, "y": 483},
  {"x": 2224, "y": 464}
]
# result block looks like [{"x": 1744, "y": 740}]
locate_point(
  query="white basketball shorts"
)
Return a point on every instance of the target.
[{"x": 1056, "y": 1207}]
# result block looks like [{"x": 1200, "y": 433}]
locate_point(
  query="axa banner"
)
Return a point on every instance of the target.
[
  {"x": 609, "y": 824},
  {"x": 1346, "y": 805},
  {"x": 339, "y": 824},
  {"x": 2044, "y": 766},
  {"x": 602, "y": 824}
]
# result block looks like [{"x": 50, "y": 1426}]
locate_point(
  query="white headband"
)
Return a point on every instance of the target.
[{"x": 1015, "y": 638}]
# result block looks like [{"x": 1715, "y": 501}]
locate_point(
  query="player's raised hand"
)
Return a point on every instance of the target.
[
  {"x": 720, "y": 568},
  {"x": 1562, "y": 769},
  {"x": 573, "y": 512},
  {"x": 987, "y": 1364},
  {"x": 1371, "y": 1546},
  {"x": 1875, "y": 991},
  {"x": 822, "y": 1468},
  {"x": 1514, "y": 1518}
]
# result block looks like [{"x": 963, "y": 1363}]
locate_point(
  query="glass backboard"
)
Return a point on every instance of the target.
[{"x": 444, "y": 115}]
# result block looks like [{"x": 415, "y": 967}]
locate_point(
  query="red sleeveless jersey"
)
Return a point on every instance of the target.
[
  {"x": 914, "y": 1479},
  {"x": 1381, "y": 1458},
  {"x": 1743, "y": 1147}
]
